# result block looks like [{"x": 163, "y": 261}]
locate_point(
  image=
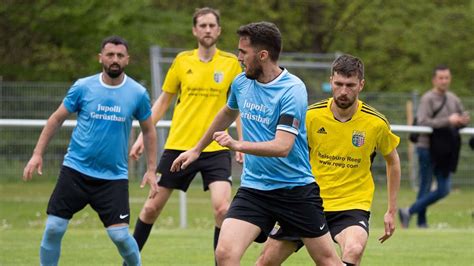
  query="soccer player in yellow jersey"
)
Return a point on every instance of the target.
[
  {"x": 344, "y": 134},
  {"x": 201, "y": 80}
]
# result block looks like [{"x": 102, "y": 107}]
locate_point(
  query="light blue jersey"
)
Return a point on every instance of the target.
[
  {"x": 99, "y": 142},
  {"x": 265, "y": 108}
]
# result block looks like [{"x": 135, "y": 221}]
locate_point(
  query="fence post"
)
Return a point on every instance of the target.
[
  {"x": 156, "y": 83},
  {"x": 1, "y": 95},
  {"x": 412, "y": 161},
  {"x": 156, "y": 59},
  {"x": 411, "y": 147}
]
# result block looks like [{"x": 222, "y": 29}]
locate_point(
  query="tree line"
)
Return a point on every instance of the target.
[{"x": 399, "y": 41}]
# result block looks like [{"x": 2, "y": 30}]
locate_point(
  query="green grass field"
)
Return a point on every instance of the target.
[{"x": 448, "y": 241}]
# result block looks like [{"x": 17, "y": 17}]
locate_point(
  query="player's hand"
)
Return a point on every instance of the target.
[
  {"x": 184, "y": 160},
  {"x": 239, "y": 157},
  {"x": 137, "y": 148},
  {"x": 389, "y": 222},
  {"x": 35, "y": 163},
  {"x": 225, "y": 140},
  {"x": 151, "y": 179}
]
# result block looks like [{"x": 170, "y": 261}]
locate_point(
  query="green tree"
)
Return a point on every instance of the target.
[
  {"x": 59, "y": 40},
  {"x": 400, "y": 42}
]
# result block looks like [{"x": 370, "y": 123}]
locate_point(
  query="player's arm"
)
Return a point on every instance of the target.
[
  {"x": 292, "y": 110},
  {"x": 160, "y": 106},
  {"x": 158, "y": 111},
  {"x": 222, "y": 121},
  {"x": 149, "y": 139},
  {"x": 239, "y": 156},
  {"x": 280, "y": 146},
  {"x": 52, "y": 125},
  {"x": 393, "y": 186}
]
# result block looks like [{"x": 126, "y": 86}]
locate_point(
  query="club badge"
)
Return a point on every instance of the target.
[
  {"x": 358, "y": 138},
  {"x": 218, "y": 76}
]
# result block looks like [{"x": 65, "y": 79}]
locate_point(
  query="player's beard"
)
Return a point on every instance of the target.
[
  {"x": 255, "y": 71},
  {"x": 113, "y": 73},
  {"x": 344, "y": 102},
  {"x": 207, "y": 42}
]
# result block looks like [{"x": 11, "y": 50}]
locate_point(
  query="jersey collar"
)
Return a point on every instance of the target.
[
  {"x": 271, "y": 83},
  {"x": 196, "y": 55},
  {"x": 356, "y": 114},
  {"x": 112, "y": 86}
]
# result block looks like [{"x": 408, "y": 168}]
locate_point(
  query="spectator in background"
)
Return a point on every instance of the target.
[
  {"x": 201, "y": 80},
  {"x": 95, "y": 168},
  {"x": 438, "y": 152}
]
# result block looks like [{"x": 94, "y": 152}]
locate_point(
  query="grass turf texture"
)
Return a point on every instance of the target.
[{"x": 448, "y": 241}]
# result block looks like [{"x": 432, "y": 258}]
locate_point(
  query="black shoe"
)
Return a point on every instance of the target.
[
  {"x": 404, "y": 216},
  {"x": 423, "y": 226}
]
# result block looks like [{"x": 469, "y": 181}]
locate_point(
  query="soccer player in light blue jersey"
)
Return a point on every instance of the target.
[
  {"x": 277, "y": 183},
  {"x": 95, "y": 168}
]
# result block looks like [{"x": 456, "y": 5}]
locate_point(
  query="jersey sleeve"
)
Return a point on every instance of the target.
[
  {"x": 387, "y": 141},
  {"x": 73, "y": 97},
  {"x": 293, "y": 109},
  {"x": 143, "y": 110},
  {"x": 172, "y": 81}
]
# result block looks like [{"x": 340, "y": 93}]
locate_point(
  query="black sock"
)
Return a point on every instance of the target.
[
  {"x": 141, "y": 233},
  {"x": 348, "y": 264},
  {"x": 217, "y": 230}
]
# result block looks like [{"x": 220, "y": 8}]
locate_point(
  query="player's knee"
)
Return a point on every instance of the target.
[
  {"x": 50, "y": 249},
  {"x": 223, "y": 254},
  {"x": 265, "y": 260},
  {"x": 220, "y": 212},
  {"x": 126, "y": 244},
  {"x": 151, "y": 211},
  {"x": 119, "y": 235},
  {"x": 260, "y": 261},
  {"x": 55, "y": 227},
  {"x": 353, "y": 250}
]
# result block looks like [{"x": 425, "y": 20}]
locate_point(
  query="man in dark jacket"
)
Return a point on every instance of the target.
[{"x": 438, "y": 152}]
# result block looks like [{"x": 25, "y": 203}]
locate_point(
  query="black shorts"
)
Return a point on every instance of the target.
[
  {"x": 337, "y": 221},
  {"x": 214, "y": 166},
  {"x": 74, "y": 190},
  {"x": 298, "y": 210}
]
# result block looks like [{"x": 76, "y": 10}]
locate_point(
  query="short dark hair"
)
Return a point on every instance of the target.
[
  {"x": 264, "y": 36},
  {"x": 204, "y": 11},
  {"x": 348, "y": 66},
  {"x": 439, "y": 68},
  {"x": 117, "y": 40}
]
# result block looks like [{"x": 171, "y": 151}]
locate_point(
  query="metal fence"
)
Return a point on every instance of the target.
[{"x": 37, "y": 100}]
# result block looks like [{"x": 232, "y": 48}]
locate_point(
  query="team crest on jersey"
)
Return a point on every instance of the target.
[
  {"x": 218, "y": 76},
  {"x": 358, "y": 138}
]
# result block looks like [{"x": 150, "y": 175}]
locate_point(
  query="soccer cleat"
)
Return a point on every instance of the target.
[{"x": 404, "y": 215}]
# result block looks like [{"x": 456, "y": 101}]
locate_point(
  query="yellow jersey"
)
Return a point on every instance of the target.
[
  {"x": 341, "y": 153},
  {"x": 202, "y": 89}
]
